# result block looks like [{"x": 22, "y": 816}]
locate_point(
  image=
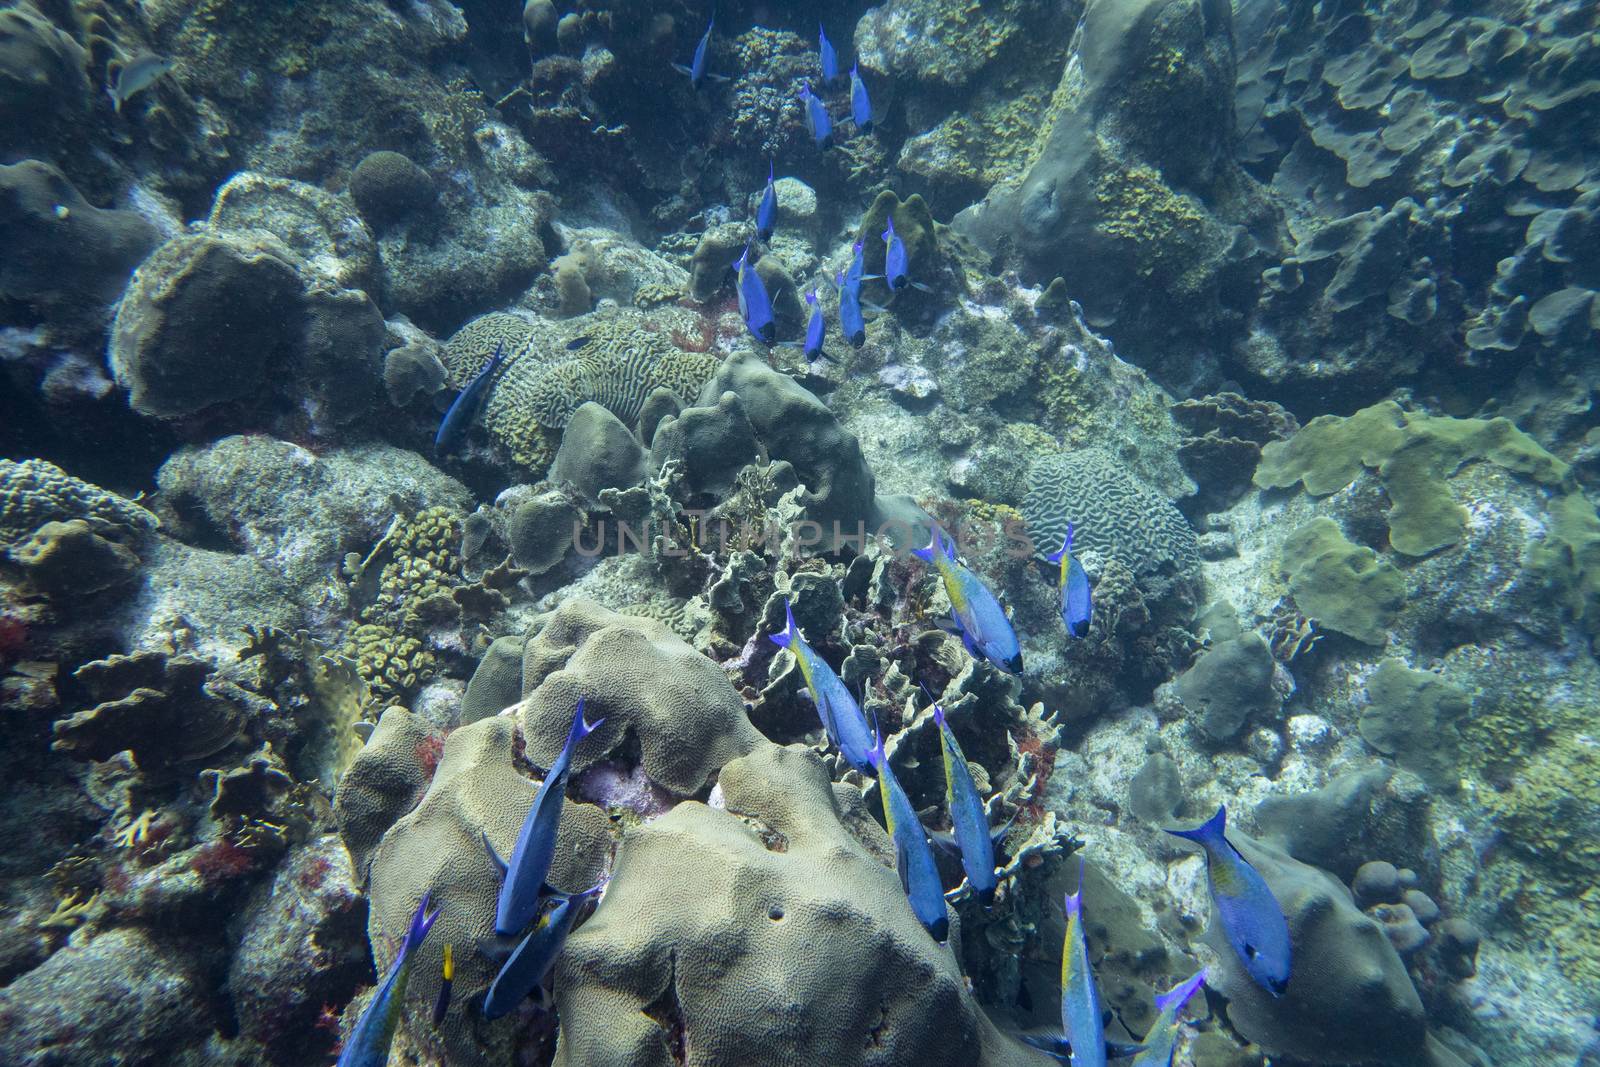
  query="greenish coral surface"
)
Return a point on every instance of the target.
[
  {"x": 1567, "y": 561},
  {"x": 1344, "y": 587},
  {"x": 1163, "y": 231},
  {"x": 1412, "y": 716},
  {"x": 1414, "y": 455}
]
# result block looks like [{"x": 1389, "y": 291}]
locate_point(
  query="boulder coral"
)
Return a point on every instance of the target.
[
  {"x": 762, "y": 932},
  {"x": 35, "y": 491},
  {"x": 59, "y": 247},
  {"x": 1349, "y": 999}
]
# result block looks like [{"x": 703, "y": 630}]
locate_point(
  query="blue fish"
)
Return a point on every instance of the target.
[
  {"x": 767, "y": 212},
  {"x": 969, "y": 820},
  {"x": 897, "y": 262},
  {"x": 1161, "y": 1041},
  {"x": 977, "y": 615},
  {"x": 368, "y": 1045},
  {"x": 860, "y": 103},
  {"x": 1081, "y": 1014},
  {"x": 855, "y": 273},
  {"x": 1075, "y": 605},
  {"x": 453, "y": 427},
  {"x": 830, "y": 58},
  {"x": 536, "y": 844},
  {"x": 918, "y": 873},
  {"x": 816, "y": 327},
  {"x": 525, "y": 969},
  {"x": 841, "y": 715},
  {"x": 696, "y": 70},
  {"x": 817, "y": 120},
  {"x": 851, "y": 322},
  {"x": 895, "y": 267},
  {"x": 1251, "y": 917},
  {"x": 755, "y": 307}
]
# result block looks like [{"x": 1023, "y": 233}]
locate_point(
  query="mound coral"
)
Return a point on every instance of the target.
[{"x": 1342, "y": 586}]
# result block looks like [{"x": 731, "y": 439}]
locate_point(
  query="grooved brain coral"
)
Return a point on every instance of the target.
[
  {"x": 1110, "y": 512},
  {"x": 34, "y": 492},
  {"x": 542, "y": 381}
]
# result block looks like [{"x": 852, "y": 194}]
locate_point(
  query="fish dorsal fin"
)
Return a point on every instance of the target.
[{"x": 494, "y": 857}]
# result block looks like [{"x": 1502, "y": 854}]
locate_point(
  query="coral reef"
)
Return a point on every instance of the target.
[
  {"x": 1414, "y": 455},
  {"x": 543, "y": 382},
  {"x": 61, "y": 248},
  {"x": 1112, "y": 515},
  {"x": 1289, "y": 309},
  {"x": 1350, "y": 998},
  {"x": 1412, "y": 717},
  {"x": 770, "y": 879}
]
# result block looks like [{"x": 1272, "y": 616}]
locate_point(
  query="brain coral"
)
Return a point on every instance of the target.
[
  {"x": 762, "y": 934},
  {"x": 542, "y": 382},
  {"x": 1111, "y": 513},
  {"x": 644, "y": 680},
  {"x": 34, "y": 492}
]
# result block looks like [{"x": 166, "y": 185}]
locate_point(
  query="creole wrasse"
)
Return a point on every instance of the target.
[
  {"x": 1075, "y": 601},
  {"x": 841, "y": 716},
  {"x": 368, "y": 1045},
  {"x": 977, "y": 615},
  {"x": 1161, "y": 1041},
  {"x": 525, "y": 969},
  {"x": 1251, "y": 917},
  {"x": 453, "y": 427},
  {"x": 918, "y": 873},
  {"x": 969, "y": 820},
  {"x": 536, "y": 843}
]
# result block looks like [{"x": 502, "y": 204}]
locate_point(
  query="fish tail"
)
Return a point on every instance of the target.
[
  {"x": 875, "y": 754},
  {"x": 938, "y": 712},
  {"x": 934, "y": 550},
  {"x": 580, "y": 728},
  {"x": 1178, "y": 995},
  {"x": 786, "y": 638},
  {"x": 1074, "y": 899},
  {"x": 1209, "y": 832},
  {"x": 421, "y": 922}
]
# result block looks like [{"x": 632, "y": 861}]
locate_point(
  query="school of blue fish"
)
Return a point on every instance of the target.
[{"x": 533, "y": 920}]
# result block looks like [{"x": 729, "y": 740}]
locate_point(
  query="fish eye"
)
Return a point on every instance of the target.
[
  {"x": 1250, "y": 951},
  {"x": 775, "y": 913}
]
